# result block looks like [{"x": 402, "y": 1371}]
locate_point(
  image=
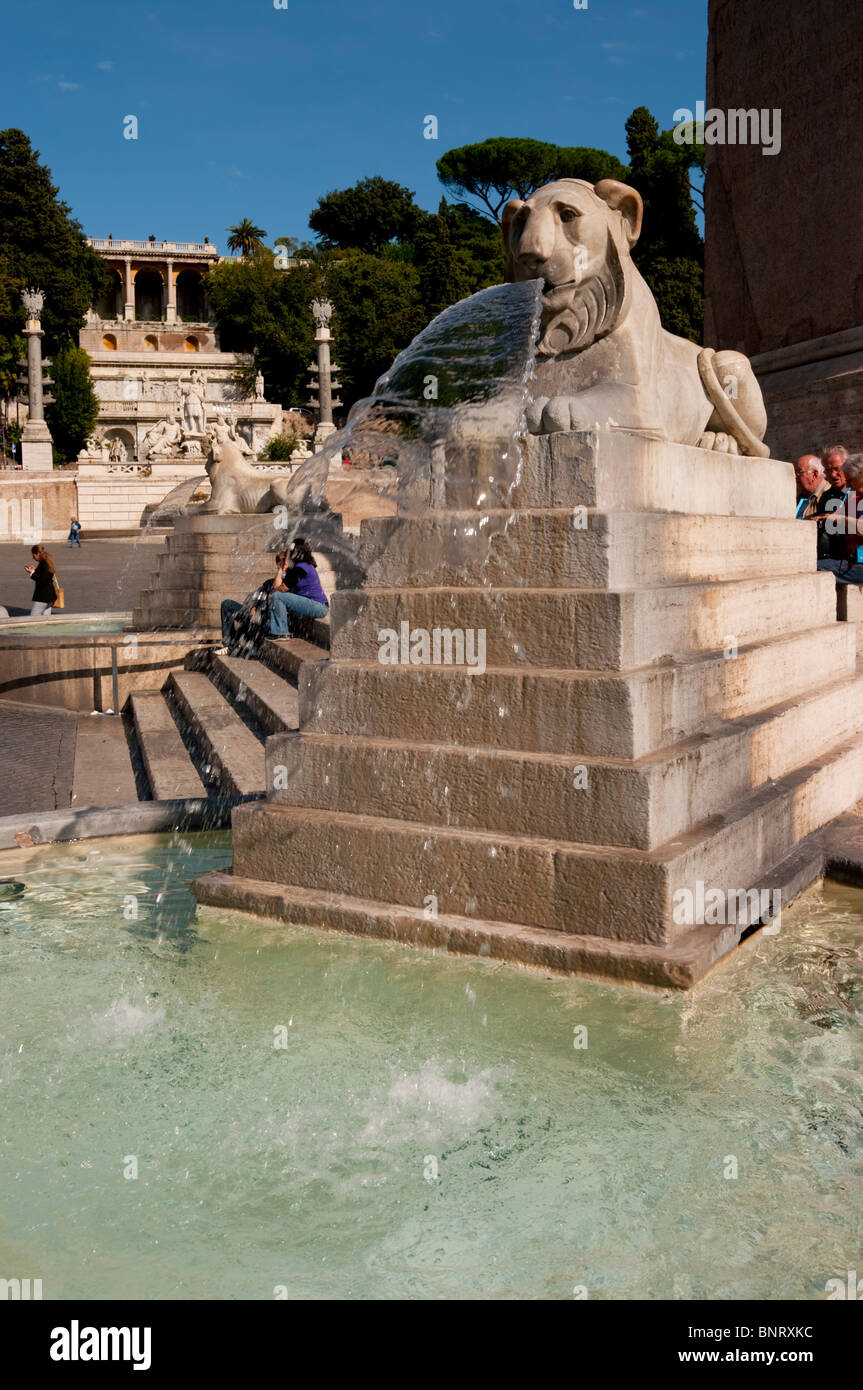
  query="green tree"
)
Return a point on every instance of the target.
[
  {"x": 72, "y": 415},
  {"x": 43, "y": 246},
  {"x": 496, "y": 170},
  {"x": 246, "y": 237},
  {"x": 261, "y": 309},
  {"x": 366, "y": 216},
  {"x": 378, "y": 310},
  {"x": 670, "y": 250}
]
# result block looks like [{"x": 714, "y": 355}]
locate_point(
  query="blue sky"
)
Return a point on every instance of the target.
[{"x": 245, "y": 110}]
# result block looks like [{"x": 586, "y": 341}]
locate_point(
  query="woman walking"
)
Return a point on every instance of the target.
[
  {"x": 297, "y": 592},
  {"x": 42, "y": 573}
]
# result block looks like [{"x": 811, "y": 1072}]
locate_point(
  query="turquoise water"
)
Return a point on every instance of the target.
[
  {"x": 429, "y": 1130},
  {"x": 50, "y": 627}
]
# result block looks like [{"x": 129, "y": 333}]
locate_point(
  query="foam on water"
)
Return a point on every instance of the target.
[{"x": 429, "y": 1130}]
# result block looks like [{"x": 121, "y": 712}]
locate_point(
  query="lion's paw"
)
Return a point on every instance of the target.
[
  {"x": 719, "y": 442},
  {"x": 549, "y": 415}
]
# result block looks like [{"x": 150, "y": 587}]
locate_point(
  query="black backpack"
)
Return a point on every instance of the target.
[{"x": 249, "y": 627}]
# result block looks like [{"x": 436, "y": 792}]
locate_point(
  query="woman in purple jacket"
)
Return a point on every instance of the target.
[{"x": 297, "y": 592}]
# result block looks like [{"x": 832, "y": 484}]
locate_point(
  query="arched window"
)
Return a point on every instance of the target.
[
  {"x": 109, "y": 342},
  {"x": 191, "y": 344},
  {"x": 151, "y": 343}
]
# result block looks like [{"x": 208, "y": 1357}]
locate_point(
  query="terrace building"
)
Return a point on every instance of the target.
[{"x": 144, "y": 335}]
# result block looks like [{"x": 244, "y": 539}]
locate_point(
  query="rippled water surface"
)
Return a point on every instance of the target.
[{"x": 429, "y": 1130}]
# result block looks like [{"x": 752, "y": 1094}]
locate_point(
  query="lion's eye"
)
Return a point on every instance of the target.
[{"x": 568, "y": 214}]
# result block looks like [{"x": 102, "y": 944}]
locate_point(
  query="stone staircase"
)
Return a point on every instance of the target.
[
  {"x": 667, "y": 701},
  {"x": 203, "y": 733}
]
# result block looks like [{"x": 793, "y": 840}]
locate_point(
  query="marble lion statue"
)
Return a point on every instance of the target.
[
  {"x": 236, "y": 487},
  {"x": 603, "y": 356}
]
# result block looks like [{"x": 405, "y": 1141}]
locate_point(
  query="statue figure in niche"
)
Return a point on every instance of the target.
[
  {"x": 117, "y": 452},
  {"x": 95, "y": 448},
  {"x": 193, "y": 403}
]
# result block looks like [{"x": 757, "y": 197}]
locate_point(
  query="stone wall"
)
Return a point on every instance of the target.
[
  {"x": 77, "y": 672},
  {"x": 783, "y": 272},
  {"x": 36, "y": 508}
]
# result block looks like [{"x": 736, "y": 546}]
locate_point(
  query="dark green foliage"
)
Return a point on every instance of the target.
[
  {"x": 72, "y": 416},
  {"x": 365, "y": 217},
  {"x": 259, "y": 307},
  {"x": 670, "y": 250},
  {"x": 40, "y": 246},
  {"x": 279, "y": 448},
  {"x": 496, "y": 170},
  {"x": 378, "y": 310},
  {"x": 678, "y": 288}
]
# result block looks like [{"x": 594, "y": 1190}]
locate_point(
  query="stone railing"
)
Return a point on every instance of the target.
[{"x": 160, "y": 248}]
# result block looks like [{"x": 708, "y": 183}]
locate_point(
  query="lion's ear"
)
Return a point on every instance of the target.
[
  {"x": 625, "y": 200},
  {"x": 507, "y": 215}
]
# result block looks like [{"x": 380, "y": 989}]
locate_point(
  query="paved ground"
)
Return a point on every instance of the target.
[
  {"x": 48, "y": 760},
  {"x": 37, "y": 758},
  {"x": 104, "y": 575}
]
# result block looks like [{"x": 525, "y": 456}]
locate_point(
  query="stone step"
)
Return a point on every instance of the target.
[
  {"x": 233, "y": 752},
  {"x": 587, "y": 629},
  {"x": 626, "y": 895},
  {"x": 611, "y": 469},
  {"x": 572, "y": 548},
  {"x": 270, "y": 699},
  {"x": 287, "y": 654},
  {"x": 214, "y": 543},
  {"x": 678, "y": 965},
  {"x": 170, "y": 771},
  {"x": 624, "y": 715},
  {"x": 640, "y": 804},
  {"x": 157, "y": 611}
]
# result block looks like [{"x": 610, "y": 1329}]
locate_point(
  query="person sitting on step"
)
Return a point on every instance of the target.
[
  {"x": 244, "y": 625},
  {"x": 297, "y": 594}
]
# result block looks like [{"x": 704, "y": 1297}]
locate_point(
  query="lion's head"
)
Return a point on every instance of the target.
[{"x": 576, "y": 238}]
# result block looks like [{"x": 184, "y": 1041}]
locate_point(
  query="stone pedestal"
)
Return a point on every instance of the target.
[
  {"x": 206, "y": 559},
  {"x": 36, "y": 457},
  {"x": 667, "y": 711},
  {"x": 36, "y": 450}
]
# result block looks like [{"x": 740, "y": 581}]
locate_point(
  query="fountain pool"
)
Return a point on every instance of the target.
[
  {"x": 61, "y": 626},
  {"x": 430, "y": 1129}
]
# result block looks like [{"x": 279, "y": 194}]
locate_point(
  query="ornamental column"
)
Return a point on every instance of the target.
[
  {"x": 129, "y": 310},
  {"x": 36, "y": 451},
  {"x": 324, "y": 370},
  {"x": 171, "y": 311}
]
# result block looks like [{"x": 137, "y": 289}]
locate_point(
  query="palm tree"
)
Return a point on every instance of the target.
[{"x": 246, "y": 237}]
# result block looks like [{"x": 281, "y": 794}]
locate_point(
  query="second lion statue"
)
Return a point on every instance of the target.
[{"x": 603, "y": 356}]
